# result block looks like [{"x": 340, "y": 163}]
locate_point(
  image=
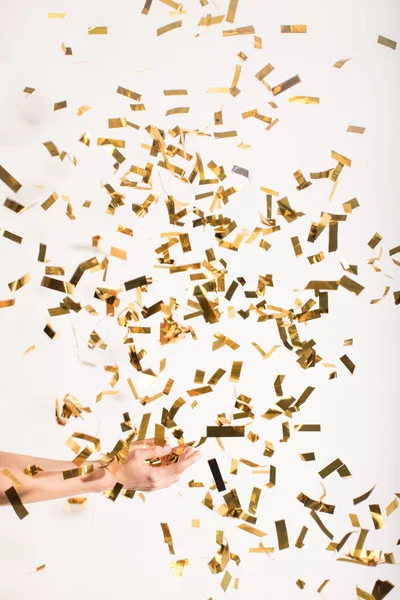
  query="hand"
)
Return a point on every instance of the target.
[{"x": 136, "y": 474}]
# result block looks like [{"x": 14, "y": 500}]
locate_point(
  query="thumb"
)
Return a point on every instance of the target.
[{"x": 154, "y": 451}]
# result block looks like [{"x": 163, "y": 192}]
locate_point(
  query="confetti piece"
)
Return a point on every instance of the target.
[
  {"x": 97, "y": 31},
  {"x": 392, "y": 507},
  {"x": 355, "y": 129},
  {"x": 281, "y": 531},
  {"x": 303, "y": 100},
  {"x": 9, "y": 180},
  {"x": 82, "y": 109},
  {"x": 348, "y": 363},
  {"x": 252, "y": 530},
  {"x": 167, "y": 537},
  {"x": 19, "y": 283},
  {"x": 232, "y": 8},
  {"x": 249, "y": 29},
  {"x": 285, "y": 85},
  {"x": 339, "y": 64},
  {"x": 53, "y": 15},
  {"x": 29, "y": 90},
  {"x": 300, "y": 540},
  {"x": 293, "y": 28},
  {"x": 12, "y": 478},
  {"x": 169, "y": 27},
  {"x": 15, "y": 501},
  {"x": 60, "y": 105},
  {"x": 225, "y": 431},
  {"x": 264, "y": 72},
  {"x": 384, "y": 41},
  {"x": 216, "y": 473}
]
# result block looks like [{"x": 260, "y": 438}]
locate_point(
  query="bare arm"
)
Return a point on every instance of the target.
[
  {"x": 21, "y": 461},
  {"x": 135, "y": 474}
]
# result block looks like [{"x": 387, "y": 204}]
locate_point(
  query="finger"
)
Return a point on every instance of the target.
[
  {"x": 146, "y": 442},
  {"x": 180, "y": 466},
  {"x": 180, "y": 450},
  {"x": 153, "y": 451}
]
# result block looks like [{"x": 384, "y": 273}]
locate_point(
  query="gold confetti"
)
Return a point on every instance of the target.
[
  {"x": 178, "y": 110},
  {"x": 300, "y": 540},
  {"x": 29, "y": 90},
  {"x": 82, "y": 109},
  {"x": 15, "y": 501},
  {"x": 285, "y": 85},
  {"x": 293, "y": 28},
  {"x": 7, "y": 303},
  {"x": 232, "y": 8},
  {"x": 348, "y": 363},
  {"x": 97, "y": 30},
  {"x": 59, "y": 105},
  {"x": 392, "y": 507},
  {"x": 262, "y": 73},
  {"x": 54, "y": 15},
  {"x": 355, "y": 129},
  {"x": 376, "y": 516},
  {"x": 363, "y": 496},
  {"x": 12, "y": 478},
  {"x": 252, "y": 530},
  {"x": 281, "y": 531},
  {"x": 19, "y": 283},
  {"x": 339, "y": 64},
  {"x": 167, "y": 537},
  {"x": 303, "y": 100},
  {"x": 66, "y": 49},
  {"x": 9, "y": 180},
  {"x": 374, "y": 241},
  {"x": 384, "y": 41},
  {"x": 169, "y": 27},
  {"x": 239, "y": 31},
  {"x": 117, "y": 122}
]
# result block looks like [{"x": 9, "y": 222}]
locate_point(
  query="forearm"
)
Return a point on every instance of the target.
[
  {"x": 21, "y": 461},
  {"x": 49, "y": 485}
]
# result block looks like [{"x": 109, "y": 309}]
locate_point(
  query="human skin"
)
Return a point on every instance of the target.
[{"x": 135, "y": 474}]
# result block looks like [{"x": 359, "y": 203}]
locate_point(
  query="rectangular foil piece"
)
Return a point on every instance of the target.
[
  {"x": 300, "y": 540},
  {"x": 374, "y": 241},
  {"x": 392, "y": 507},
  {"x": 285, "y": 85},
  {"x": 9, "y": 180},
  {"x": 262, "y": 73},
  {"x": 16, "y": 503},
  {"x": 60, "y": 105},
  {"x": 348, "y": 363},
  {"x": 281, "y": 531},
  {"x": 304, "y": 100},
  {"x": 252, "y": 530},
  {"x": 230, "y": 15},
  {"x": 343, "y": 160},
  {"x": 216, "y": 473},
  {"x": 384, "y": 41},
  {"x": 97, "y": 30},
  {"x": 129, "y": 93},
  {"x": 293, "y": 28},
  {"x": 355, "y": 129},
  {"x": 376, "y": 515},
  {"x": 225, "y": 431},
  {"x": 248, "y": 30},
  {"x": 167, "y": 537}
]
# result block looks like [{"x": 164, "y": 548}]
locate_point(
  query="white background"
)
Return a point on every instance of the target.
[{"x": 111, "y": 549}]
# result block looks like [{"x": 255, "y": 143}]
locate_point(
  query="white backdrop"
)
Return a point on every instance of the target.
[{"x": 111, "y": 549}]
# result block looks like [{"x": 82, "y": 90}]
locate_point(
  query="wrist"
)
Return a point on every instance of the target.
[{"x": 99, "y": 480}]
